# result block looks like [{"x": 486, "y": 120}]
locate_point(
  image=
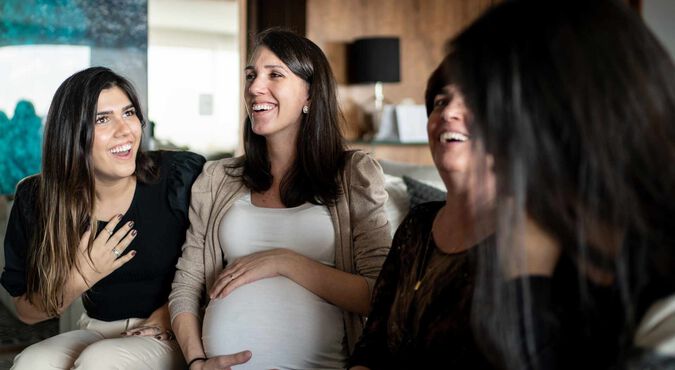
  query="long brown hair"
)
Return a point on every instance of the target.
[
  {"x": 66, "y": 186},
  {"x": 313, "y": 177}
]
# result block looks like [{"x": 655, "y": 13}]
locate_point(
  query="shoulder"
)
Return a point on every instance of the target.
[
  {"x": 361, "y": 166},
  {"x": 421, "y": 215},
  {"x": 223, "y": 167},
  {"x": 181, "y": 163},
  {"x": 28, "y": 187},
  {"x": 26, "y": 193},
  {"x": 427, "y": 209},
  {"x": 26, "y": 197},
  {"x": 361, "y": 159},
  {"x": 217, "y": 171}
]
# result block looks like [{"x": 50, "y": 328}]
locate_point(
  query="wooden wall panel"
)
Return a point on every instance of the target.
[{"x": 423, "y": 26}]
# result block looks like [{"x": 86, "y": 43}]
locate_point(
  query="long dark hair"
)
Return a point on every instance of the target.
[
  {"x": 576, "y": 102},
  {"x": 66, "y": 186},
  {"x": 320, "y": 149}
]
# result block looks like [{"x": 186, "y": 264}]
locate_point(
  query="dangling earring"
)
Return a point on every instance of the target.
[{"x": 305, "y": 109}]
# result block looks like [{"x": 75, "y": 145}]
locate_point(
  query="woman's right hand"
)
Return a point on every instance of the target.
[{"x": 106, "y": 251}]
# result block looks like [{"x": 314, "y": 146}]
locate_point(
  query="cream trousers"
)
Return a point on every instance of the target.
[{"x": 99, "y": 345}]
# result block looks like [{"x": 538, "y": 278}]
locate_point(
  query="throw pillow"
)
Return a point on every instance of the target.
[{"x": 420, "y": 192}]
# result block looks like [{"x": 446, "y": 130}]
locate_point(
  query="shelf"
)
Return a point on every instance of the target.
[{"x": 416, "y": 153}]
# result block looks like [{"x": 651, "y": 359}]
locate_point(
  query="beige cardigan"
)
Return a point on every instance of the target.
[{"x": 361, "y": 232}]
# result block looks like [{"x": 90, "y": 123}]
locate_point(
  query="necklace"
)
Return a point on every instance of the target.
[{"x": 422, "y": 267}]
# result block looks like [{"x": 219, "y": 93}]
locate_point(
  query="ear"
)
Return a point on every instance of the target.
[{"x": 308, "y": 103}]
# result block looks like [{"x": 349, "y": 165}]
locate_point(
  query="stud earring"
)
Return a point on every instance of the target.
[{"x": 305, "y": 109}]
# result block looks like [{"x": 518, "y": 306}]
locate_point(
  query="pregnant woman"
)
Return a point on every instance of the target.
[{"x": 288, "y": 239}]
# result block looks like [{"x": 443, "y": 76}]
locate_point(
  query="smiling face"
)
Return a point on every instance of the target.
[
  {"x": 117, "y": 136},
  {"x": 448, "y": 131},
  {"x": 274, "y": 96}
]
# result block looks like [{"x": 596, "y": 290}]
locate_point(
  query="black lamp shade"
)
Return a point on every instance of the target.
[{"x": 374, "y": 59}]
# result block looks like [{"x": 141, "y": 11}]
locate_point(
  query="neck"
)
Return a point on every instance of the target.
[
  {"x": 113, "y": 197},
  {"x": 466, "y": 219},
  {"x": 281, "y": 155}
]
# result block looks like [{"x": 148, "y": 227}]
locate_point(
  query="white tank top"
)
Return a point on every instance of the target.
[{"x": 284, "y": 325}]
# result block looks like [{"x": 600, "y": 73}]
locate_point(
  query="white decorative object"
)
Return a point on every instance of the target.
[{"x": 411, "y": 121}]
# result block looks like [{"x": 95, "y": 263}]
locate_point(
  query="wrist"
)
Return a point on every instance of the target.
[
  {"x": 78, "y": 282},
  {"x": 291, "y": 263},
  {"x": 196, "y": 360}
]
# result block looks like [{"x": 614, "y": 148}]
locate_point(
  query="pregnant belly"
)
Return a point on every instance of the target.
[{"x": 284, "y": 325}]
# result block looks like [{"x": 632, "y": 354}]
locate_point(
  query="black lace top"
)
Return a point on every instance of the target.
[{"x": 430, "y": 327}]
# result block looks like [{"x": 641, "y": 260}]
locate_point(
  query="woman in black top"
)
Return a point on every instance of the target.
[
  {"x": 95, "y": 177},
  {"x": 576, "y": 102},
  {"x": 420, "y": 315}
]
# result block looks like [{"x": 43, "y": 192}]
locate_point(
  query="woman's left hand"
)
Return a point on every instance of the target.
[
  {"x": 157, "y": 325},
  {"x": 255, "y": 266}
]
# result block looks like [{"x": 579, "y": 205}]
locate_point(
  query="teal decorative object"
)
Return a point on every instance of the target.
[{"x": 20, "y": 146}]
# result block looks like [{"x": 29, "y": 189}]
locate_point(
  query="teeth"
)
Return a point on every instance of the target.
[
  {"x": 259, "y": 107},
  {"x": 453, "y": 136},
  {"x": 121, "y": 148}
]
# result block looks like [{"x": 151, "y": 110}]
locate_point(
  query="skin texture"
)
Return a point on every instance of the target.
[
  {"x": 269, "y": 82},
  {"x": 116, "y": 124}
]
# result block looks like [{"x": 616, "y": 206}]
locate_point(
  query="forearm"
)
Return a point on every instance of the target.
[
  {"x": 187, "y": 328},
  {"x": 347, "y": 291},
  {"x": 32, "y": 314}
]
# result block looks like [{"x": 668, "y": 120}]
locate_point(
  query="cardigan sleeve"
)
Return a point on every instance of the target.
[
  {"x": 370, "y": 227},
  {"x": 189, "y": 282}
]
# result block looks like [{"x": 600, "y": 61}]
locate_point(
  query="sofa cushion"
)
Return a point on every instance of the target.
[
  {"x": 397, "y": 204},
  {"x": 420, "y": 192},
  {"x": 425, "y": 173}
]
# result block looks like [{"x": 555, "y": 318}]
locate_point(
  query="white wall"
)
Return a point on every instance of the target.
[
  {"x": 194, "y": 74},
  {"x": 660, "y": 17}
]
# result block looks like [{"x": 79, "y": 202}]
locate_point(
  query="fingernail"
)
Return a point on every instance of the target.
[
  {"x": 137, "y": 333},
  {"x": 158, "y": 337},
  {"x": 134, "y": 232},
  {"x": 119, "y": 217},
  {"x": 132, "y": 253},
  {"x": 123, "y": 333},
  {"x": 131, "y": 224}
]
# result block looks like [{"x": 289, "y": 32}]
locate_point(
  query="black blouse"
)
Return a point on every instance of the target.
[
  {"x": 160, "y": 213},
  {"x": 430, "y": 327}
]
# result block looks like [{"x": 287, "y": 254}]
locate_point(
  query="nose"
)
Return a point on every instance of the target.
[
  {"x": 257, "y": 86},
  {"x": 122, "y": 126},
  {"x": 455, "y": 110}
]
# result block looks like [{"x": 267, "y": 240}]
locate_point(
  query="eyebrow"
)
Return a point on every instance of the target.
[
  {"x": 448, "y": 92},
  {"x": 268, "y": 66},
  {"x": 109, "y": 111}
]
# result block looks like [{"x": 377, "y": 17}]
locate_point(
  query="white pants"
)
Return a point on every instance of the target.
[{"x": 100, "y": 345}]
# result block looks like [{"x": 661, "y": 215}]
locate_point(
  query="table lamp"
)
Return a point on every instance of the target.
[{"x": 375, "y": 60}]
